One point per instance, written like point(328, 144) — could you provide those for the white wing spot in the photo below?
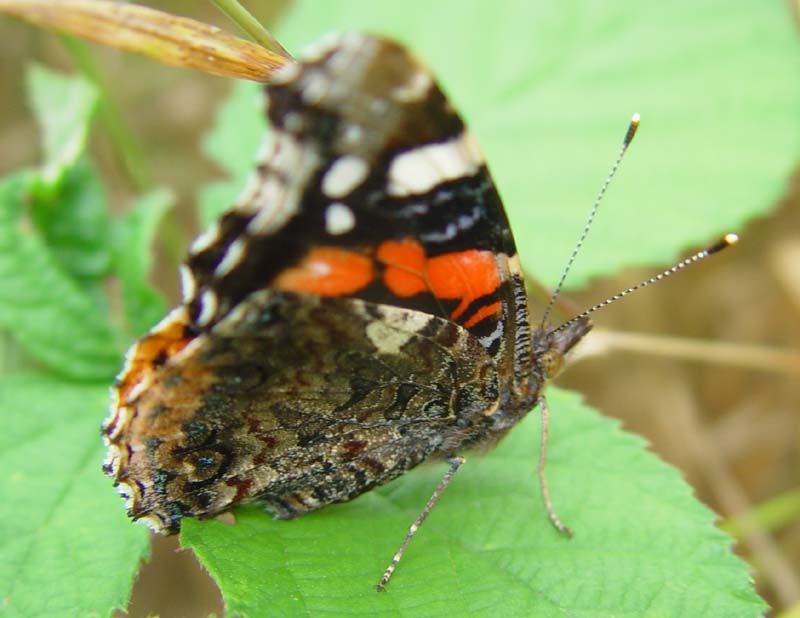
point(395, 328)
point(233, 256)
point(339, 219)
point(385, 338)
point(420, 170)
point(352, 134)
point(188, 283)
point(414, 89)
point(206, 239)
point(489, 339)
point(208, 307)
point(344, 175)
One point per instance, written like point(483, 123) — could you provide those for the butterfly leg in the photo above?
point(455, 464)
point(551, 512)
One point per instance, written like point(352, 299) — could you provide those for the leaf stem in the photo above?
point(771, 515)
point(250, 25)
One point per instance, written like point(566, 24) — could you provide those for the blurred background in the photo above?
point(732, 426)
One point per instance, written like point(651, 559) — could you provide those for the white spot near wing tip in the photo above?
point(339, 219)
point(415, 89)
point(421, 169)
point(344, 175)
point(233, 256)
point(208, 307)
point(206, 239)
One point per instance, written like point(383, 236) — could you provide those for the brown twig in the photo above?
point(715, 352)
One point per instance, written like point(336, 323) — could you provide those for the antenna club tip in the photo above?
point(632, 127)
point(723, 243)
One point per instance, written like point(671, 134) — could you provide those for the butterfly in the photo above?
point(360, 310)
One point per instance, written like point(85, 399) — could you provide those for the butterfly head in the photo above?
point(550, 345)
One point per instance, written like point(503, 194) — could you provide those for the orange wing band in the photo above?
point(328, 271)
point(461, 275)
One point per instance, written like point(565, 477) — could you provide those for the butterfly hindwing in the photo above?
point(294, 401)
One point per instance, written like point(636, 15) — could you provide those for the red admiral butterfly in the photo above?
point(360, 310)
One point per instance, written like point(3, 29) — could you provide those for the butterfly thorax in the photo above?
point(548, 349)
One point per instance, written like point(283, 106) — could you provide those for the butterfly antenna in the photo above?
point(723, 243)
point(634, 124)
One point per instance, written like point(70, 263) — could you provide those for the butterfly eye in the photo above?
point(551, 363)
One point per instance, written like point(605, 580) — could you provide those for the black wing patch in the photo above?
point(364, 148)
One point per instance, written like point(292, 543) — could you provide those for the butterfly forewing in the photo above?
point(369, 187)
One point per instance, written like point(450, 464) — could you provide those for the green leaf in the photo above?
point(40, 305)
point(232, 144)
point(73, 220)
point(133, 236)
point(549, 87)
point(66, 548)
point(64, 106)
point(238, 130)
point(643, 545)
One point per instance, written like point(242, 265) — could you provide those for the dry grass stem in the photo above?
point(167, 38)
